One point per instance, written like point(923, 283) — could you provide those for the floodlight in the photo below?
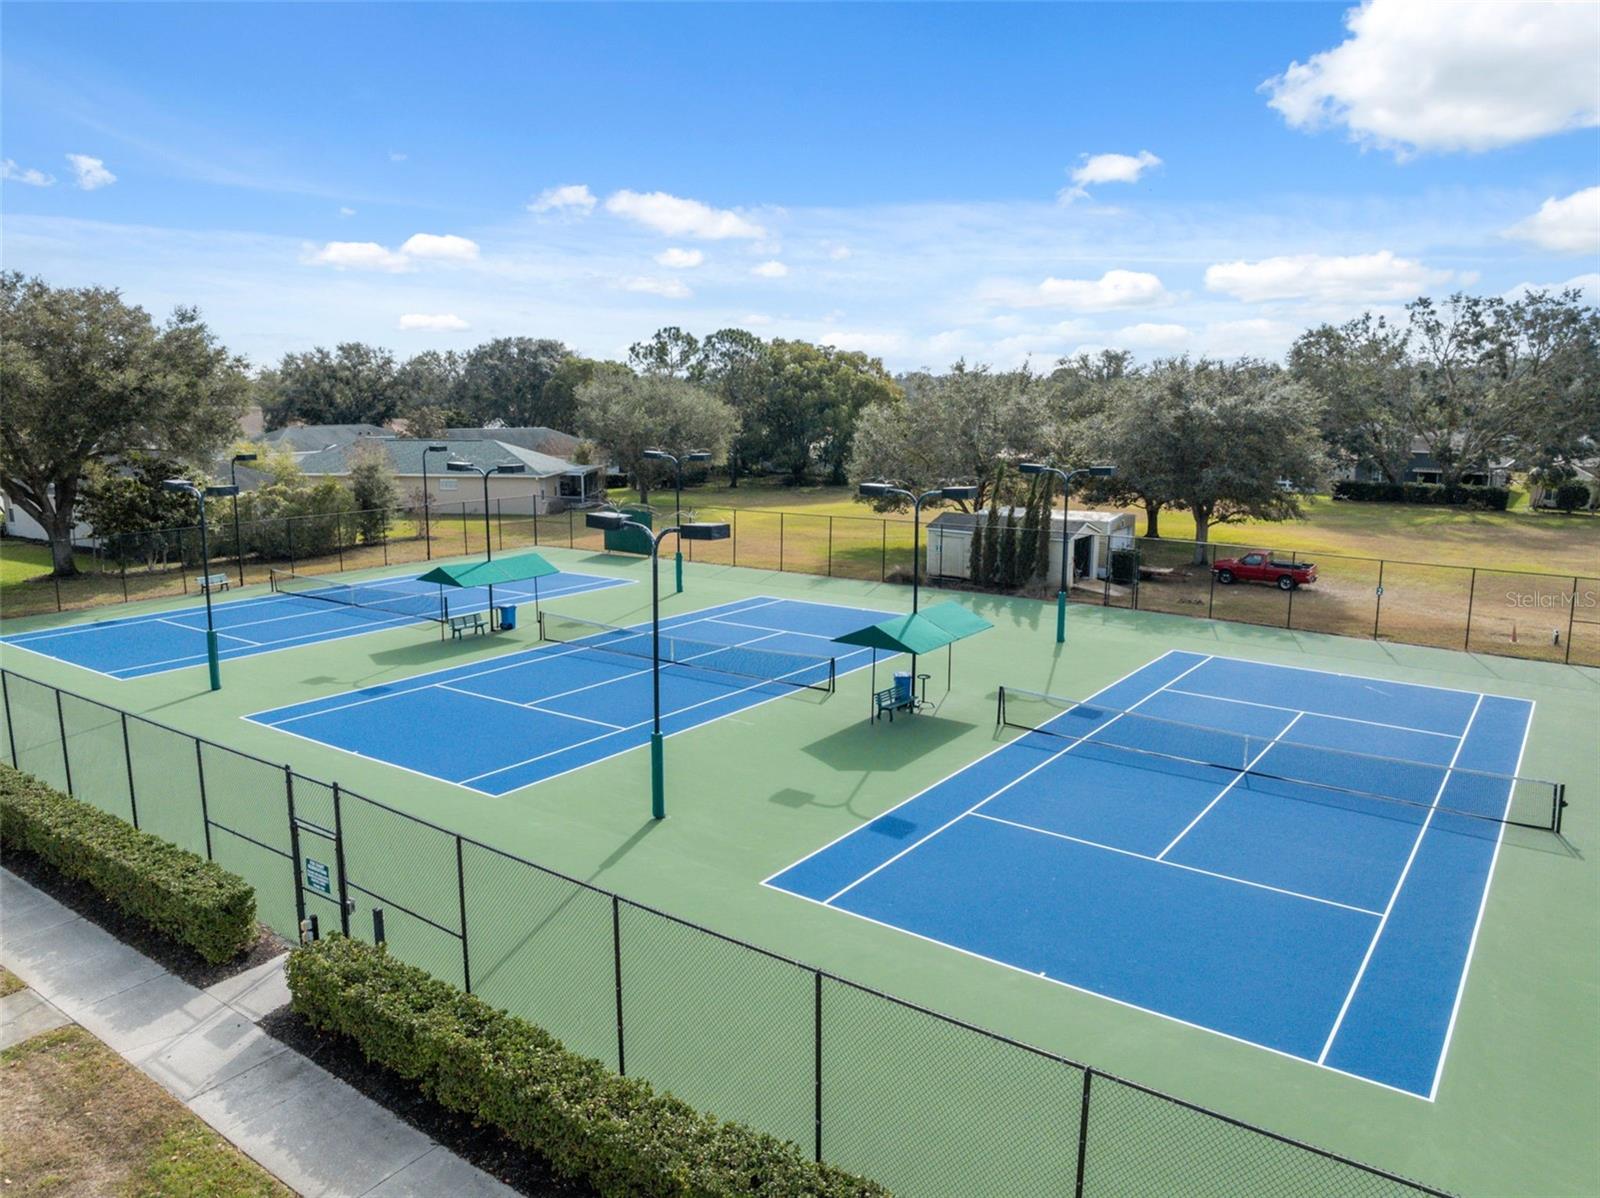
point(245, 457)
point(1102, 471)
point(437, 449)
point(703, 531)
point(221, 492)
point(179, 484)
point(459, 466)
point(697, 455)
point(510, 468)
point(658, 455)
point(1031, 468)
point(607, 520)
point(964, 494)
point(873, 490)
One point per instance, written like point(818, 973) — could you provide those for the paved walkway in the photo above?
point(300, 1122)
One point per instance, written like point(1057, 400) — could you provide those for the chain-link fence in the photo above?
point(926, 1104)
point(1514, 613)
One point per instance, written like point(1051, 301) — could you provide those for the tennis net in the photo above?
point(746, 661)
point(373, 596)
point(1275, 764)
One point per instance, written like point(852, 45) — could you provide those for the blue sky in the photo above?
point(924, 182)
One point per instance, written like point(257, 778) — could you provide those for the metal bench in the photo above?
point(474, 623)
point(891, 701)
point(212, 582)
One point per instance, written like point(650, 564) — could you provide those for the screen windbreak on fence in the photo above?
point(1278, 765)
point(925, 1104)
point(746, 661)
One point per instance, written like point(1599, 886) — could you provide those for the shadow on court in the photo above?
point(878, 747)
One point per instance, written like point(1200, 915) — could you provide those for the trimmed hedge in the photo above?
point(1491, 499)
point(616, 1133)
point(183, 896)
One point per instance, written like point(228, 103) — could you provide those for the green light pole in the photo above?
point(461, 467)
point(677, 460)
point(233, 477)
point(883, 490)
point(427, 518)
point(1066, 478)
point(201, 494)
point(685, 532)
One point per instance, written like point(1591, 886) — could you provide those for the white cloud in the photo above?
point(667, 288)
point(32, 176)
point(680, 259)
point(90, 172)
point(1589, 284)
point(1108, 168)
point(839, 253)
point(572, 198)
point(1354, 278)
point(1429, 76)
point(1114, 289)
point(347, 211)
point(755, 319)
point(679, 217)
point(446, 247)
point(398, 156)
point(772, 269)
point(439, 322)
point(1153, 336)
point(876, 344)
point(356, 255)
point(1566, 226)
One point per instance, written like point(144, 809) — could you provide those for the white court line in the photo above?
point(1194, 869)
point(243, 640)
point(1383, 922)
point(1321, 715)
point(817, 636)
point(537, 655)
point(1232, 782)
point(1483, 904)
point(567, 715)
point(997, 793)
point(456, 690)
point(39, 634)
point(1368, 678)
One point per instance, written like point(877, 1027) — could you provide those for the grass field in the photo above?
point(76, 1120)
point(750, 794)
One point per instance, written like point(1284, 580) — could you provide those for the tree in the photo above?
point(1007, 564)
point(1216, 439)
point(736, 365)
point(671, 353)
point(354, 384)
point(951, 428)
point(1041, 559)
point(429, 385)
point(1028, 534)
point(127, 507)
point(88, 378)
point(1361, 373)
point(372, 485)
point(991, 535)
point(505, 381)
point(812, 398)
point(627, 414)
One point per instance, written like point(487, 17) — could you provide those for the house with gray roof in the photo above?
point(545, 485)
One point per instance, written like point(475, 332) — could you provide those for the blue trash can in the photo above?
point(508, 618)
point(902, 686)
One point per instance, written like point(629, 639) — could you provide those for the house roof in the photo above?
point(405, 457)
point(308, 438)
point(537, 438)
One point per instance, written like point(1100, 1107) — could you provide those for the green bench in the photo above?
point(891, 701)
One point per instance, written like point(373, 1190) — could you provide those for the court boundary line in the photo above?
point(473, 790)
point(767, 881)
point(1483, 903)
point(1232, 782)
point(1194, 869)
point(1400, 884)
point(1427, 686)
point(1321, 715)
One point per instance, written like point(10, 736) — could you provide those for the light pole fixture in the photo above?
point(677, 460)
point(1066, 477)
point(461, 467)
point(233, 477)
point(882, 490)
point(692, 531)
point(201, 494)
point(427, 523)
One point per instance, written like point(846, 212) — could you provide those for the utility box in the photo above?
point(631, 540)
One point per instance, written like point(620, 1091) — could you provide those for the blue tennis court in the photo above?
point(498, 726)
point(174, 640)
point(1318, 895)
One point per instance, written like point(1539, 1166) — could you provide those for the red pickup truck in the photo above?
point(1259, 566)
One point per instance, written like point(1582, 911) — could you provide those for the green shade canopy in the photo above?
point(952, 617)
point(519, 567)
point(901, 634)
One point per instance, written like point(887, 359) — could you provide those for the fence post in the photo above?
point(1083, 1131)
point(1572, 616)
point(780, 542)
point(288, 529)
point(1377, 604)
point(205, 810)
point(736, 536)
point(616, 968)
point(461, 898)
point(124, 566)
point(338, 857)
point(1472, 594)
point(383, 535)
point(466, 545)
point(11, 729)
point(294, 848)
point(66, 758)
point(1211, 600)
point(1288, 619)
point(338, 538)
point(817, 1064)
point(830, 546)
point(127, 760)
point(55, 582)
point(883, 551)
point(499, 524)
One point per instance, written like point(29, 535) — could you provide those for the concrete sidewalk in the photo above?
point(315, 1133)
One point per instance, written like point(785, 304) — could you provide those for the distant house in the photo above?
point(1585, 472)
point(537, 438)
point(547, 484)
point(303, 439)
point(1093, 535)
point(1423, 467)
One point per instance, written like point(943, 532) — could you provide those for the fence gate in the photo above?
point(320, 890)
